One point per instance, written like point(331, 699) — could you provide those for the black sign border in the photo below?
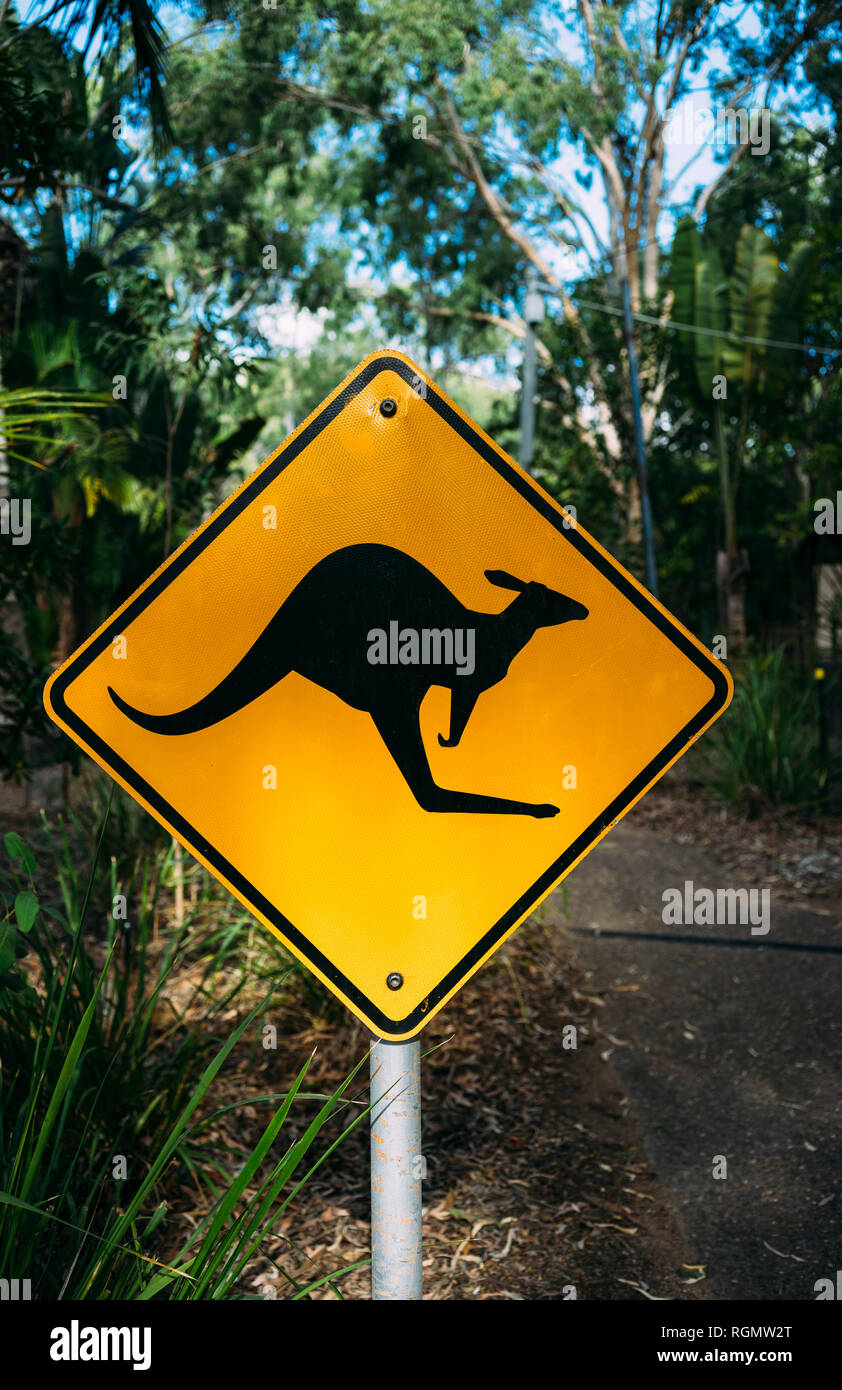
point(388, 1027)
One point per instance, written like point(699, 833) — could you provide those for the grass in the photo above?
point(765, 751)
point(104, 1112)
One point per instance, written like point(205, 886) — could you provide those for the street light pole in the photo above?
point(533, 313)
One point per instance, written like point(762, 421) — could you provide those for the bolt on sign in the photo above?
point(389, 694)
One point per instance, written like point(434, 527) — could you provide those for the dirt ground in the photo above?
point(537, 1187)
point(540, 1180)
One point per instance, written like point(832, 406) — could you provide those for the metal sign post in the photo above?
point(396, 1164)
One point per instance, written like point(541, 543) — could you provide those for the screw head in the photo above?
point(394, 980)
point(388, 407)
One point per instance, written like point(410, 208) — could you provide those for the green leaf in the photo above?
point(8, 941)
point(790, 302)
point(155, 1220)
point(711, 289)
point(8, 1199)
point(26, 909)
point(16, 849)
point(328, 1278)
point(686, 253)
point(752, 291)
point(71, 1062)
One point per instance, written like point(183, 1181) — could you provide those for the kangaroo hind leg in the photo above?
point(402, 736)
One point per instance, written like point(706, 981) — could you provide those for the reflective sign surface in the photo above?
point(389, 694)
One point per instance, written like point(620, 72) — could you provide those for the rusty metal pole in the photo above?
point(396, 1169)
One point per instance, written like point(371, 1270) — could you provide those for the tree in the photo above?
point(740, 325)
point(467, 109)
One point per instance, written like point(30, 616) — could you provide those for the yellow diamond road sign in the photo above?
point(389, 694)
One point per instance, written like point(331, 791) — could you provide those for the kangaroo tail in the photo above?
point(253, 676)
point(186, 721)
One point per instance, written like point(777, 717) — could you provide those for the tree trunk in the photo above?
point(731, 562)
point(633, 535)
point(731, 569)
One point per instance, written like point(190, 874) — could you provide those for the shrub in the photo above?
point(766, 749)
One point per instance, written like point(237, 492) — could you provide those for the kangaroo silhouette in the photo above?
point(322, 629)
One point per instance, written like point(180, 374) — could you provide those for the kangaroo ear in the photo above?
point(504, 580)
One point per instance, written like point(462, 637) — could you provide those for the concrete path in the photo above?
point(733, 1047)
